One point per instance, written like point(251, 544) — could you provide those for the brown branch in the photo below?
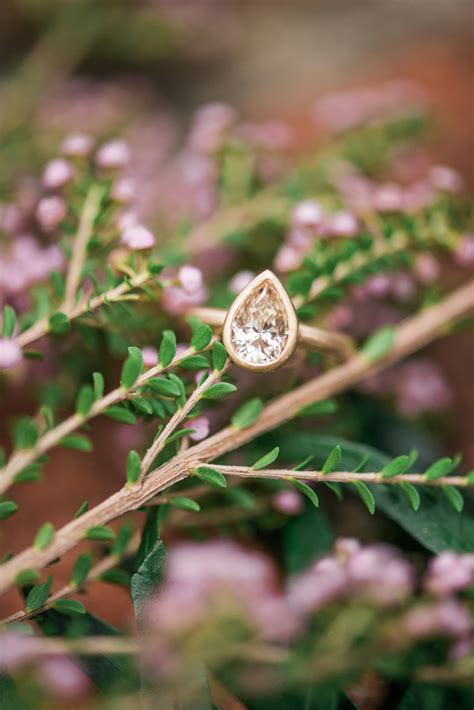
point(412, 334)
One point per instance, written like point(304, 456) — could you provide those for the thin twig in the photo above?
point(417, 479)
point(81, 240)
point(412, 334)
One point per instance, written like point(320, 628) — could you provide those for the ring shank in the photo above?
point(326, 341)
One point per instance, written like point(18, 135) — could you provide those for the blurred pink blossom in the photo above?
point(57, 173)
point(10, 354)
point(150, 356)
point(137, 237)
point(240, 280)
point(77, 145)
point(50, 212)
point(288, 501)
point(449, 573)
point(420, 388)
point(63, 677)
point(307, 213)
point(427, 268)
point(445, 179)
point(201, 426)
point(112, 155)
point(442, 618)
point(190, 278)
point(464, 253)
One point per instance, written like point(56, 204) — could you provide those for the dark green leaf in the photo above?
point(29, 474)
point(306, 490)
point(180, 434)
point(132, 368)
point(81, 569)
point(27, 577)
point(7, 508)
point(439, 469)
point(99, 385)
point(85, 400)
point(146, 581)
point(164, 387)
point(454, 496)
point(195, 362)
point(133, 467)
point(59, 324)
point(366, 495)
point(412, 494)
point(220, 389)
point(219, 355)
point(332, 460)
point(267, 460)
point(210, 476)
point(44, 536)
point(379, 344)
point(101, 533)
point(395, 467)
point(116, 576)
point(120, 414)
point(325, 406)
point(167, 348)
point(201, 337)
point(8, 322)
point(247, 414)
point(185, 504)
point(142, 405)
point(25, 433)
point(122, 539)
point(83, 508)
point(70, 607)
point(37, 596)
point(79, 442)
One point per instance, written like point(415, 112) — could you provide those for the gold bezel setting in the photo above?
point(292, 320)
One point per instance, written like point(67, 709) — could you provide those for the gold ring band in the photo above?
point(261, 330)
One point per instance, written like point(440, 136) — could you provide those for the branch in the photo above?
point(19, 460)
point(418, 479)
point(412, 334)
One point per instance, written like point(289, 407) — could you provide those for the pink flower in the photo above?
point(420, 388)
point(378, 285)
point(211, 123)
point(63, 677)
point(137, 237)
point(340, 317)
point(446, 179)
point(123, 190)
point(201, 426)
point(114, 154)
point(10, 354)
point(150, 356)
point(345, 547)
point(403, 287)
point(445, 618)
point(240, 280)
point(449, 573)
point(269, 135)
point(57, 173)
point(379, 572)
point(464, 254)
point(342, 224)
point(190, 278)
point(324, 582)
point(307, 213)
point(287, 259)
point(77, 145)
point(427, 268)
point(15, 650)
point(288, 502)
point(176, 301)
point(50, 212)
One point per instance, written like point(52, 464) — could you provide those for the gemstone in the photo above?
point(259, 331)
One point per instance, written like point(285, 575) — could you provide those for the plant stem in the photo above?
point(410, 335)
point(417, 479)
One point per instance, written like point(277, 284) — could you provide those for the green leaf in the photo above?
point(185, 504)
point(99, 385)
point(29, 474)
point(219, 355)
point(332, 460)
point(120, 414)
point(164, 387)
point(78, 442)
point(325, 406)
point(454, 496)
point(116, 576)
point(366, 495)
point(439, 469)
point(48, 416)
point(59, 324)
point(395, 467)
point(85, 400)
point(242, 497)
point(70, 607)
point(7, 508)
point(27, 577)
point(25, 433)
point(210, 476)
point(37, 596)
point(44, 536)
point(379, 344)
point(247, 414)
point(267, 459)
point(220, 389)
point(81, 569)
point(179, 434)
point(145, 582)
point(132, 368)
point(133, 467)
point(201, 337)
point(306, 490)
point(412, 494)
point(83, 508)
point(8, 322)
point(101, 533)
point(195, 362)
point(142, 405)
point(122, 539)
point(167, 348)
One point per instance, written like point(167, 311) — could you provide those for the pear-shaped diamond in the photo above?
point(260, 329)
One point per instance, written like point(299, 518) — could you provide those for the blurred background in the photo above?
point(140, 68)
